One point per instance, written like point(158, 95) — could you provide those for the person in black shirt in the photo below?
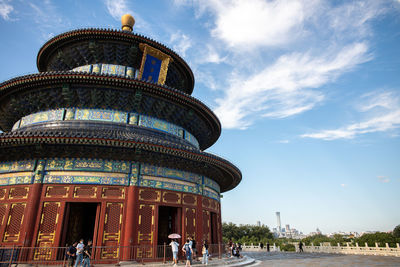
point(71, 254)
point(194, 248)
point(87, 254)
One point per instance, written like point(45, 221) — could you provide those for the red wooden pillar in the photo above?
point(130, 236)
point(35, 192)
point(199, 225)
point(33, 205)
point(219, 224)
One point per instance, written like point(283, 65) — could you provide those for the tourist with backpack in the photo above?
point(187, 248)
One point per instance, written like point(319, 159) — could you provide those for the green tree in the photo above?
point(316, 239)
point(245, 233)
point(396, 231)
point(378, 237)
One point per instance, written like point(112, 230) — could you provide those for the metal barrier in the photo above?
point(109, 254)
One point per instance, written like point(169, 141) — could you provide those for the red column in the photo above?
point(130, 236)
point(199, 222)
point(35, 191)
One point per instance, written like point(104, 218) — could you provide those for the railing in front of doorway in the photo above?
point(58, 255)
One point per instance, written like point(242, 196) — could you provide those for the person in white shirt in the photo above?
point(79, 252)
point(175, 248)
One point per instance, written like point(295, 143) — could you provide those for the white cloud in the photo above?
point(206, 78)
point(284, 141)
point(212, 56)
point(343, 185)
point(310, 42)
point(285, 88)
point(45, 14)
point(247, 24)
point(117, 8)
point(383, 179)
point(351, 18)
point(5, 9)
point(180, 43)
point(383, 114)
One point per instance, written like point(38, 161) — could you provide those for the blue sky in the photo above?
point(308, 94)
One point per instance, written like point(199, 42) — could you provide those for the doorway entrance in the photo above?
point(168, 223)
point(79, 222)
point(213, 228)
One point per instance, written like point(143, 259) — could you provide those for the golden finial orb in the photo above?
point(127, 22)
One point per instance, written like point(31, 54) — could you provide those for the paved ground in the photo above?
point(282, 259)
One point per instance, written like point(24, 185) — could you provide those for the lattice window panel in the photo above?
point(47, 229)
point(113, 192)
point(169, 197)
point(146, 223)
point(112, 230)
point(18, 192)
point(3, 193)
point(189, 199)
point(49, 219)
point(213, 204)
point(190, 222)
point(146, 229)
point(149, 195)
point(57, 191)
point(14, 222)
point(113, 217)
point(206, 226)
point(85, 191)
point(206, 203)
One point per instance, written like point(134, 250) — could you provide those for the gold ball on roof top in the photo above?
point(127, 22)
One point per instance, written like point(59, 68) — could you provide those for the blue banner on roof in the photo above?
point(151, 69)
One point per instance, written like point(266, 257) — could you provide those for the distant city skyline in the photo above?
point(308, 94)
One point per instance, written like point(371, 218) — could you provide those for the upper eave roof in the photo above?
point(75, 36)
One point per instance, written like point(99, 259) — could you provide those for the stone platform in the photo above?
point(287, 259)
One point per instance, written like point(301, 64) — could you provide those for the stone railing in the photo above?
point(253, 248)
point(358, 250)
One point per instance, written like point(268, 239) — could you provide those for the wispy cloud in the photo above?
point(5, 9)
point(343, 185)
point(285, 88)
point(49, 20)
point(180, 43)
point(212, 55)
point(284, 141)
point(117, 8)
point(383, 179)
point(310, 44)
point(383, 114)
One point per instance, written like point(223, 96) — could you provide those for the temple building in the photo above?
point(106, 143)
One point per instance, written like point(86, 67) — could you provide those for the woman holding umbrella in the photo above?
point(175, 248)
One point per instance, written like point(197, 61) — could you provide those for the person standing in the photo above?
point(300, 247)
point(87, 254)
point(79, 252)
point(175, 248)
point(267, 246)
point(71, 254)
point(261, 245)
point(204, 251)
point(194, 248)
point(187, 248)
